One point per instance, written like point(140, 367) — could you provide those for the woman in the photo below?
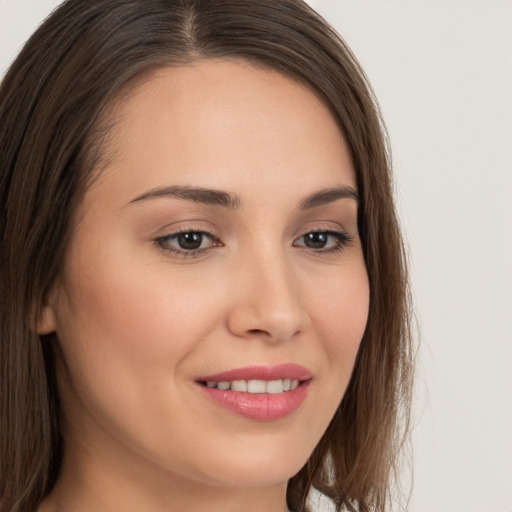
point(203, 283)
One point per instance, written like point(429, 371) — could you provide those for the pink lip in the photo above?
point(260, 406)
point(261, 372)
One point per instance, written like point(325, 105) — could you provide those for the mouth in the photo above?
point(259, 392)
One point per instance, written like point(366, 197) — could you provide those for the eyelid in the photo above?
point(334, 227)
point(343, 240)
point(184, 226)
point(160, 242)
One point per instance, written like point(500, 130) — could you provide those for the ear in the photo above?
point(47, 319)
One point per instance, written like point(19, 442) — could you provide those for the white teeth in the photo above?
point(275, 386)
point(255, 386)
point(239, 385)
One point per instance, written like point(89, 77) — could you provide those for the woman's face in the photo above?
point(221, 237)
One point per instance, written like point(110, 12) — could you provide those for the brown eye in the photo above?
point(324, 241)
point(189, 241)
point(316, 240)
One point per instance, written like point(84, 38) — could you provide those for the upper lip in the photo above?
point(261, 372)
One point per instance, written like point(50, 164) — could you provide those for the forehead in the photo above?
point(224, 124)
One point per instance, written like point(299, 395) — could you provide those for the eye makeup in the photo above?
point(193, 243)
point(188, 243)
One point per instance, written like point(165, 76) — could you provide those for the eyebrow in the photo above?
point(196, 194)
point(221, 198)
point(328, 195)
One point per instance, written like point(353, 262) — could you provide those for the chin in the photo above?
point(257, 468)
point(243, 476)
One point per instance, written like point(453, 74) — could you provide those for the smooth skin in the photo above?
point(141, 313)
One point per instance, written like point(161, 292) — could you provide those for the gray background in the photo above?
point(443, 73)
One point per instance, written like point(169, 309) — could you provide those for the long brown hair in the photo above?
point(53, 135)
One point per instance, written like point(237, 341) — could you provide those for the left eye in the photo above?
point(323, 240)
point(187, 241)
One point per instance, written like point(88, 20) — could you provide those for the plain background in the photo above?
point(442, 71)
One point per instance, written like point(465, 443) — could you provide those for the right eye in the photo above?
point(188, 243)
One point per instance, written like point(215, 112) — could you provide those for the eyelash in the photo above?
point(162, 243)
point(342, 240)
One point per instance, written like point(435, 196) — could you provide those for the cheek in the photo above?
point(128, 332)
point(342, 310)
point(125, 330)
point(140, 313)
point(341, 314)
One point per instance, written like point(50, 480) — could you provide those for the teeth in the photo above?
point(239, 385)
point(256, 386)
point(275, 386)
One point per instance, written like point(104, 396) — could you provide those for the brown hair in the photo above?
point(51, 104)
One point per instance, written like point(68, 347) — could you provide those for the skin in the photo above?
point(138, 324)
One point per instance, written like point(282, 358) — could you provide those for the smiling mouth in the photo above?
point(259, 392)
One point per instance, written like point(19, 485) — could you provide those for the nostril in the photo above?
point(258, 332)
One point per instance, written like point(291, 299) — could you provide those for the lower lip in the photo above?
point(260, 406)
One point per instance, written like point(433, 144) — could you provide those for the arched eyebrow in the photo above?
point(196, 194)
point(328, 195)
point(232, 201)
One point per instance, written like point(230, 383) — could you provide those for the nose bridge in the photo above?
point(269, 301)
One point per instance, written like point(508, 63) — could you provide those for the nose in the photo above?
point(268, 303)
